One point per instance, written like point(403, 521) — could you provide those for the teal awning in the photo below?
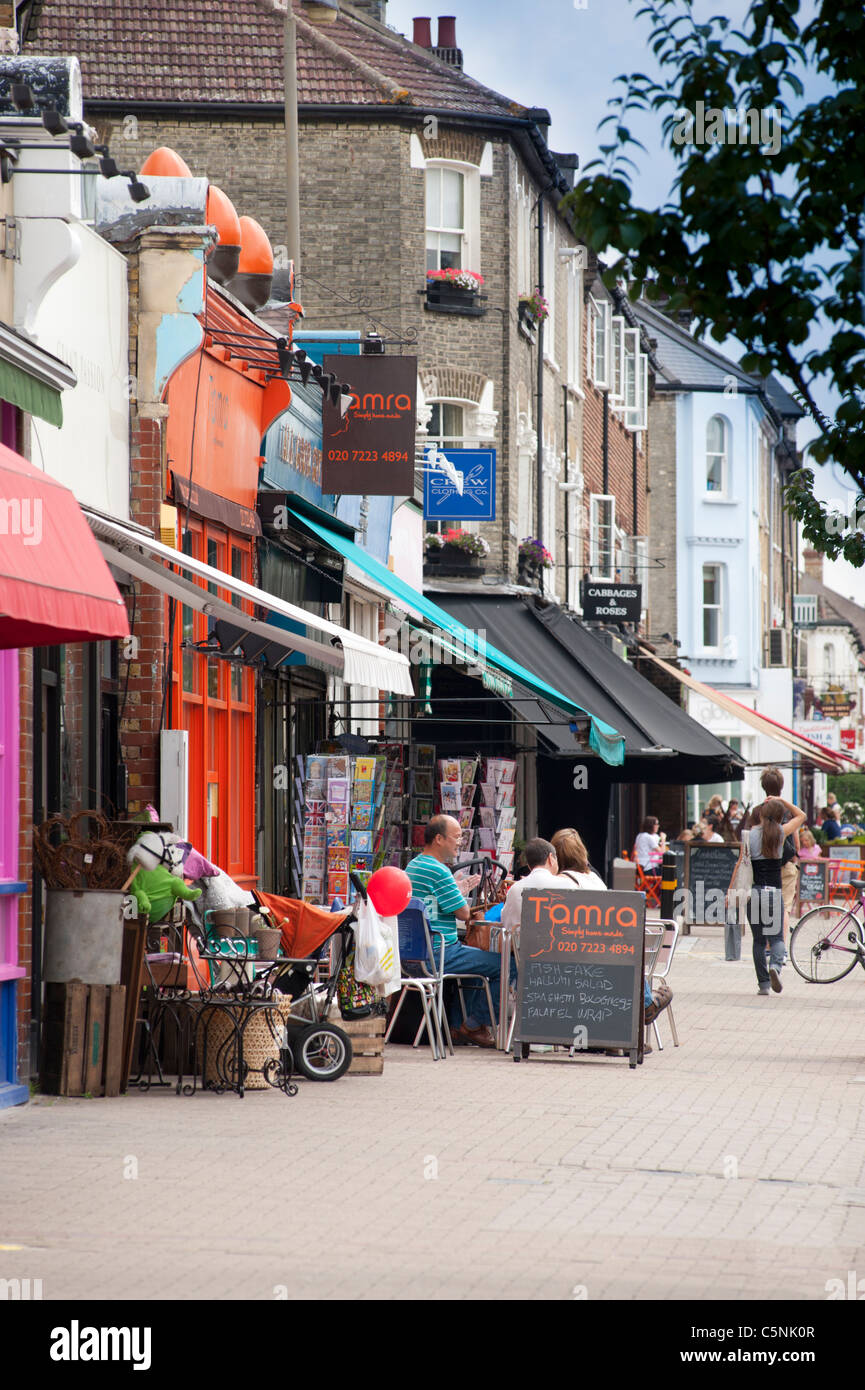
point(607, 742)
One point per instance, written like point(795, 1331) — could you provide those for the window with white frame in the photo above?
point(712, 607)
point(631, 377)
point(447, 429)
point(643, 385)
point(598, 341)
point(452, 216)
point(602, 536)
point(617, 361)
point(525, 280)
point(717, 455)
point(828, 661)
point(575, 314)
point(550, 273)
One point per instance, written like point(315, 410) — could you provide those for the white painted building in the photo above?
point(734, 442)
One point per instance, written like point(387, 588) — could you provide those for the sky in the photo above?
point(565, 56)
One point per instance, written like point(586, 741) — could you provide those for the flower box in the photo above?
point(455, 292)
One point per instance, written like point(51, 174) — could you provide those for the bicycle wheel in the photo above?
point(820, 948)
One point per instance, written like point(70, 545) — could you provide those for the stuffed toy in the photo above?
point(159, 882)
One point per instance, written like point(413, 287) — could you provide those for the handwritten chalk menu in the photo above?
point(710, 868)
point(812, 882)
point(581, 970)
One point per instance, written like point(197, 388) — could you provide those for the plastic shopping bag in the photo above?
point(393, 980)
point(373, 952)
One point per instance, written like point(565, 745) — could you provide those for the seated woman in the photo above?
point(573, 860)
point(649, 845)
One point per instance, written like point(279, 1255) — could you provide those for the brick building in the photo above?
point(395, 138)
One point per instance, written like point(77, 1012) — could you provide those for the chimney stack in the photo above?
point(813, 562)
point(374, 8)
point(447, 31)
point(423, 32)
point(446, 48)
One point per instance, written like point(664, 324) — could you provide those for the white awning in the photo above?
point(357, 660)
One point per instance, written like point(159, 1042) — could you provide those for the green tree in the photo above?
point(761, 239)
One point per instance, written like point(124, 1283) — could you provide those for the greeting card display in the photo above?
point(449, 796)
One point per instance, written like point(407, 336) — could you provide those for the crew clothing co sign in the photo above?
point(370, 450)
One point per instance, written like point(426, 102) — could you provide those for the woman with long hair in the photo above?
point(766, 904)
point(573, 860)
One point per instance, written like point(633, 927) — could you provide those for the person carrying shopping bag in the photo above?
point(776, 820)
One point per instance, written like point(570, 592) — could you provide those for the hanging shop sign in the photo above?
point(611, 603)
point(837, 703)
point(369, 451)
point(848, 739)
point(459, 484)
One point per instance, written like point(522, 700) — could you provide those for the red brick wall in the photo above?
point(139, 732)
point(621, 463)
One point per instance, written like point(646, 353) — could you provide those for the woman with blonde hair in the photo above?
point(573, 860)
point(777, 819)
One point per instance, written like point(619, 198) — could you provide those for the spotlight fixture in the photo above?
point(373, 343)
point(305, 369)
point(285, 357)
point(138, 192)
point(317, 371)
point(335, 392)
point(108, 167)
point(300, 355)
point(22, 96)
point(79, 143)
point(53, 121)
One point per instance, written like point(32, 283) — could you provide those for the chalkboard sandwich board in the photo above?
point(710, 868)
point(812, 883)
point(581, 971)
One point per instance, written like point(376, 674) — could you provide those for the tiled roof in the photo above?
point(232, 51)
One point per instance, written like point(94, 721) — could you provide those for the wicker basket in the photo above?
point(259, 1044)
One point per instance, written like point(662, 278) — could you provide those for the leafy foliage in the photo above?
point(762, 241)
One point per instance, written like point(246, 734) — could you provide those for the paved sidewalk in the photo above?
point(730, 1167)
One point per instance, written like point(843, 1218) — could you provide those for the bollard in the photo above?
point(669, 883)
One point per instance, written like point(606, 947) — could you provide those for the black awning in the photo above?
point(569, 656)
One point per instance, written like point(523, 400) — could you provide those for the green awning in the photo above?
point(20, 388)
point(607, 742)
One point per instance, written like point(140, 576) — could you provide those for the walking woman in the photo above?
point(776, 820)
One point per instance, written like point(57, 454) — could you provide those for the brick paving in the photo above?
point(730, 1167)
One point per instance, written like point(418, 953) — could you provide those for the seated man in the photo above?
point(433, 882)
point(543, 870)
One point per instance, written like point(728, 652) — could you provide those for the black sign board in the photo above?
point(581, 971)
point(611, 603)
point(370, 450)
point(812, 882)
point(710, 868)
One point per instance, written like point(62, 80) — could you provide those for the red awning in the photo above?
point(54, 584)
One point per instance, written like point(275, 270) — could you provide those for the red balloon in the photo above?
point(389, 890)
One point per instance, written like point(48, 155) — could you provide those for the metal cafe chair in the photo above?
point(661, 967)
point(840, 873)
point(419, 972)
point(650, 884)
point(654, 942)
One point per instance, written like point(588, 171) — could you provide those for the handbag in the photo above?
point(478, 933)
point(477, 930)
point(743, 882)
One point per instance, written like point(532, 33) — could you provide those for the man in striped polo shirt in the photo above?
point(433, 881)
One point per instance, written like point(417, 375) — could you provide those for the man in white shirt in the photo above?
point(543, 867)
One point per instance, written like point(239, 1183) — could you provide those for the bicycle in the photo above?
point(827, 942)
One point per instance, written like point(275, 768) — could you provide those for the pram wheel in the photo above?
point(322, 1052)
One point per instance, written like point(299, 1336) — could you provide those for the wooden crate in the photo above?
point(367, 1042)
point(83, 1039)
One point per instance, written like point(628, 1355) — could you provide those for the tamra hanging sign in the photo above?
point(370, 449)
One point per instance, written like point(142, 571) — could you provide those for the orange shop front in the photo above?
point(218, 412)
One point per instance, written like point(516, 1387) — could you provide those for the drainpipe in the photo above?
point(540, 407)
point(540, 411)
point(567, 503)
point(635, 491)
point(606, 443)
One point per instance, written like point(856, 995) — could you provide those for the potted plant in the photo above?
point(456, 552)
point(532, 557)
point(533, 309)
point(455, 290)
